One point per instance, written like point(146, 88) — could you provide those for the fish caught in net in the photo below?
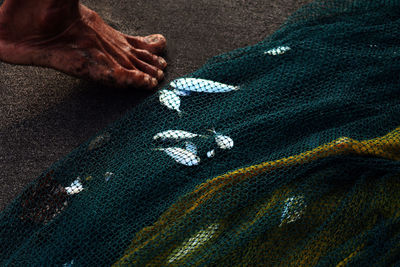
point(283, 153)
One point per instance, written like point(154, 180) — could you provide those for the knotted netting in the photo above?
point(282, 153)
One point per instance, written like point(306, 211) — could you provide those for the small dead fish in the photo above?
point(194, 243)
point(223, 141)
point(182, 92)
point(201, 86)
point(99, 141)
point(278, 51)
point(191, 147)
point(293, 210)
point(75, 188)
point(211, 153)
point(181, 155)
point(176, 134)
point(108, 176)
point(170, 100)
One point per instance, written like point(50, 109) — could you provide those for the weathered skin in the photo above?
point(69, 37)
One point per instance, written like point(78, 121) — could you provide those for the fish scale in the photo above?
point(181, 155)
point(176, 134)
point(170, 100)
point(202, 86)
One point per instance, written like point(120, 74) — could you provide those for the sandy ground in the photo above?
point(45, 114)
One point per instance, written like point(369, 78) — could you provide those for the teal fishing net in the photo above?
point(282, 153)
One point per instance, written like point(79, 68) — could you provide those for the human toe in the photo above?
point(154, 43)
point(149, 58)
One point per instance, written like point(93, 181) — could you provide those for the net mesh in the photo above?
point(282, 153)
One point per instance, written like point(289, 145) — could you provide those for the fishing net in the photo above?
point(282, 153)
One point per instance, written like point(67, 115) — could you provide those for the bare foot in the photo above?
point(71, 38)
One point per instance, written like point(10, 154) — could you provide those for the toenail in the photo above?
point(154, 82)
point(152, 39)
point(162, 62)
point(160, 74)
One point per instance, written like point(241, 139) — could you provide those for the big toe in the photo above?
point(154, 43)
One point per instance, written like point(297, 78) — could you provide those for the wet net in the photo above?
point(282, 153)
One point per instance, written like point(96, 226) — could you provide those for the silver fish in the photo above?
point(193, 243)
point(294, 208)
point(191, 147)
point(211, 153)
point(175, 134)
point(278, 51)
point(75, 188)
point(181, 155)
point(202, 86)
point(170, 100)
point(223, 141)
point(99, 141)
point(108, 176)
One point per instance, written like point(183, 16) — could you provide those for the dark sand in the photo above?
point(45, 114)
